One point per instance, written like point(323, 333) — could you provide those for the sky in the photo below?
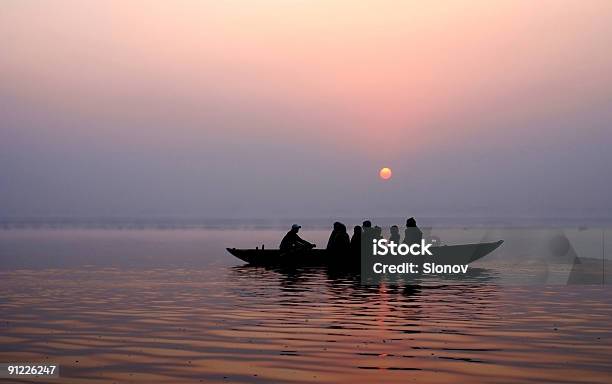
point(269, 108)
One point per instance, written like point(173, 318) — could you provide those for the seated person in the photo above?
point(412, 234)
point(339, 241)
point(356, 241)
point(367, 232)
point(377, 232)
point(395, 235)
point(292, 241)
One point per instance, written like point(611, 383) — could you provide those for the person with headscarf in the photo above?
point(339, 241)
point(412, 234)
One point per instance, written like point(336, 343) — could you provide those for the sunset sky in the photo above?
point(290, 108)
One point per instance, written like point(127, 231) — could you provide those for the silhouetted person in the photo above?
point(356, 241)
point(332, 236)
point(412, 234)
point(378, 232)
point(395, 235)
point(292, 241)
point(367, 233)
point(338, 240)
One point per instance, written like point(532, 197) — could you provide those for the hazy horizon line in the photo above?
point(192, 222)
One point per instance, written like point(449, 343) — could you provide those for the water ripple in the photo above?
point(248, 325)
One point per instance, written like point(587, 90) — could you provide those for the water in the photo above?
point(173, 306)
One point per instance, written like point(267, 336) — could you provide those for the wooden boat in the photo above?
point(445, 254)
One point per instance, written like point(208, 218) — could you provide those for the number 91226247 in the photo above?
point(28, 370)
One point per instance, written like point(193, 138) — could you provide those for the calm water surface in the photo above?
point(172, 306)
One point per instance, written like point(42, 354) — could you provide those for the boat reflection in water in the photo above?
point(336, 329)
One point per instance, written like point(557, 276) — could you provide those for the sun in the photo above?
point(385, 173)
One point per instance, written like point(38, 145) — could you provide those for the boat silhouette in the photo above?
point(455, 254)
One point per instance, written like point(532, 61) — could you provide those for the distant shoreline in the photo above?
point(174, 223)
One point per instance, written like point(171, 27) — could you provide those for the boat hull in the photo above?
point(446, 254)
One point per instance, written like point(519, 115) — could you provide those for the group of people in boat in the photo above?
point(340, 242)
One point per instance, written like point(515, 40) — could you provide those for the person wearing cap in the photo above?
point(292, 241)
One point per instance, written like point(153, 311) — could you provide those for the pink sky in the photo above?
point(417, 86)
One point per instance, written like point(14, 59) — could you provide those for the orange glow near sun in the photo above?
point(385, 173)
